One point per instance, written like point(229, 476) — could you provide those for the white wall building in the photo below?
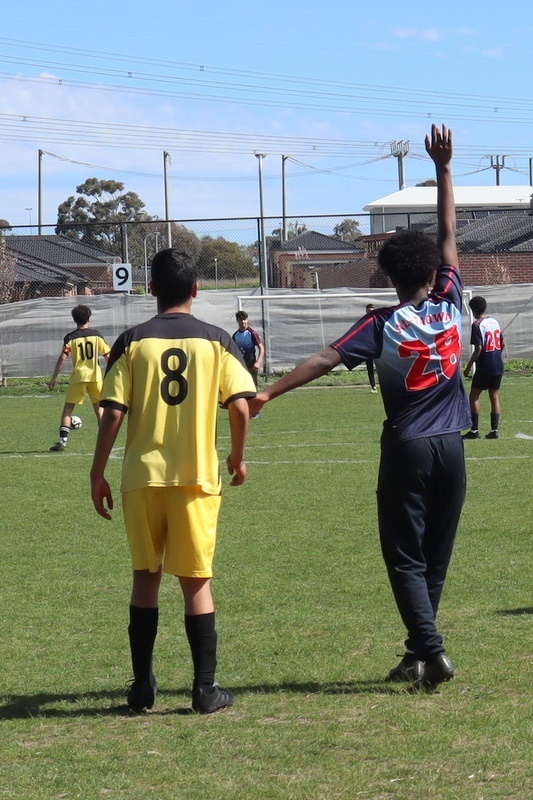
point(395, 210)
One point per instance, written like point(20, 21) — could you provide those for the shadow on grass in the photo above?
point(23, 452)
point(112, 703)
point(514, 612)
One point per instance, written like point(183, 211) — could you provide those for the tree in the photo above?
point(348, 230)
point(294, 229)
point(430, 182)
point(4, 226)
point(94, 216)
point(232, 260)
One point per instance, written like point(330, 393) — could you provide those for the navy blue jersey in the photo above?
point(247, 341)
point(486, 333)
point(417, 350)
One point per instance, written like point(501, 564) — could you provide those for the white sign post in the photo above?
point(122, 278)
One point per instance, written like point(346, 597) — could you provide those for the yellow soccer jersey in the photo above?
point(170, 374)
point(85, 345)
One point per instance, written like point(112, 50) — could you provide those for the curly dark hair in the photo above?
point(81, 314)
point(478, 305)
point(173, 276)
point(409, 259)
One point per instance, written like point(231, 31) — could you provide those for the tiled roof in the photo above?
point(58, 250)
point(494, 233)
point(34, 270)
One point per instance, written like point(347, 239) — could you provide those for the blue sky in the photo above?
point(329, 85)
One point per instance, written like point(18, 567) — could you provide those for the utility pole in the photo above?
point(498, 166)
point(399, 150)
point(531, 171)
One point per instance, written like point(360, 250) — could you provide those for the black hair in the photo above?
point(81, 315)
point(478, 305)
point(241, 315)
point(173, 276)
point(409, 259)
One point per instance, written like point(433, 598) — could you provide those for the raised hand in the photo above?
point(439, 144)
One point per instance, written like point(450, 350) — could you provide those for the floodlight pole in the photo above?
point(40, 193)
point(166, 162)
point(283, 200)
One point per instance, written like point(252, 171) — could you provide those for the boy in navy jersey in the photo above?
point(416, 346)
point(249, 343)
point(488, 343)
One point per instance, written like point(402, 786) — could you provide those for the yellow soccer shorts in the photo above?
point(76, 392)
point(173, 526)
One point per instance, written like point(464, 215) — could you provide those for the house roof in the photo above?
point(497, 232)
point(32, 269)
point(423, 198)
point(318, 242)
point(58, 250)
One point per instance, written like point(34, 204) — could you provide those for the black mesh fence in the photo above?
point(318, 273)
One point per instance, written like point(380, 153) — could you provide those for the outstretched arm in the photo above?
point(315, 366)
point(439, 148)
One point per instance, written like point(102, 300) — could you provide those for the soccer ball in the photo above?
point(75, 423)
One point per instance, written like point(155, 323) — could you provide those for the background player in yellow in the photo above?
point(84, 345)
point(170, 374)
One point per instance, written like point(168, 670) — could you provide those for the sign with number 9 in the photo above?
point(122, 277)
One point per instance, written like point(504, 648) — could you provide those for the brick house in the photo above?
point(52, 266)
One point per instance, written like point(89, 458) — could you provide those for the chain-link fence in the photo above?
point(304, 253)
point(305, 266)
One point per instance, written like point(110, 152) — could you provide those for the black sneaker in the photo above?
point(471, 435)
point(437, 669)
point(60, 445)
point(141, 695)
point(492, 435)
point(206, 701)
point(410, 669)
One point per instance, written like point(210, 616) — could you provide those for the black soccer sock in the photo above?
point(475, 421)
point(494, 421)
point(142, 632)
point(63, 432)
point(202, 636)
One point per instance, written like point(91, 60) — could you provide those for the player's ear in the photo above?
point(194, 290)
point(152, 290)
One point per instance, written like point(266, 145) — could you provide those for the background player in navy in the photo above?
point(170, 374)
point(85, 345)
point(421, 483)
point(249, 343)
point(488, 343)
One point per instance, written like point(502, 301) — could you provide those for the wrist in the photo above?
point(234, 463)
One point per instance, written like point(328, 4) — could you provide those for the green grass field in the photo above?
point(307, 625)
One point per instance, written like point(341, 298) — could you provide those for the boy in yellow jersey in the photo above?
point(84, 345)
point(170, 374)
